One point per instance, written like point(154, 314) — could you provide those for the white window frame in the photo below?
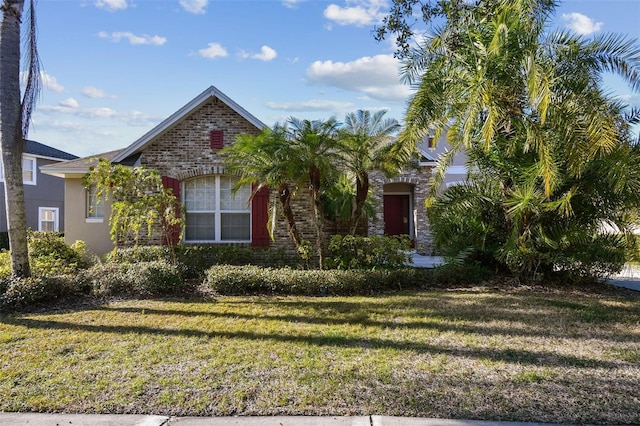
point(56, 218)
point(34, 170)
point(217, 212)
point(89, 218)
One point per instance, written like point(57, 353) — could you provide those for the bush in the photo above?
point(241, 280)
point(193, 260)
point(143, 279)
point(20, 292)
point(139, 254)
point(356, 252)
point(50, 255)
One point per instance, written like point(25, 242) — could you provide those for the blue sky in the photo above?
point(116, 68)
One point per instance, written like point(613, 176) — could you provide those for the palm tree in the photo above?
point(314, 160)
point(528, 108)
point(366, 140)
point(263, 160)
point(15, 116)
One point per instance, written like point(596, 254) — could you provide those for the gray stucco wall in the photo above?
point(48, 192)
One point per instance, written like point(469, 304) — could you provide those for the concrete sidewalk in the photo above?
point(43, 419)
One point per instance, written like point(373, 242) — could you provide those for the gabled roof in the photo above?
point(77, 168)
point(42, 150)
point(211, 93)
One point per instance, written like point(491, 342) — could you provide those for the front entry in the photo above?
point(396, 214)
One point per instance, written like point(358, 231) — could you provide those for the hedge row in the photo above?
point(239, 280)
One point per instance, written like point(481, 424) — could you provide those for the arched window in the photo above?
point(214, 212)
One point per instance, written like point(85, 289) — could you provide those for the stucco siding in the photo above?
point(95, 234)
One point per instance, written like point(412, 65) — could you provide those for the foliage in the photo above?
point(356, 252)
point(553, 150)
point(329, 160)
point(230, 280)
point(16, 293)
point(193, 260)
point(142, 279)
point(49, 255)
point(139, 202)
point(365, 145)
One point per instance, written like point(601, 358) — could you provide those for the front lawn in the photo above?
point(503, 354)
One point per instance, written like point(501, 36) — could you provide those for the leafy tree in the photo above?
point(365, 145)
point(139, 202)
point(528, 109)
point(314, 160)
point(263, 160)
point(15, 117)
point(297, 154)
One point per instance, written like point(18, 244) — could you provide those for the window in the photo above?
point(94, 209)
point(28, 170)
point(48, 219)
point(214, 212)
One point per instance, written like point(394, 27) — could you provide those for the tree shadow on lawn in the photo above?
point(526, 316)
point(521, 356)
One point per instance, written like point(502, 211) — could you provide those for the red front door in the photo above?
point(396, 214)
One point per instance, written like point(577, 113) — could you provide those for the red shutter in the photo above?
point(259, 218)
point(216, 139)
point(174, 185)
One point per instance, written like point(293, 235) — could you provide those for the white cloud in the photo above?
point(311, 105)
point(112, 5)
point(133, 39)
point(356, 12)
point(377, 77)
point(214, 50)
point(581, 24)
point(69, 103)
point(266, 54)
point(49, 82)
point(291, 4)
point(95, 93)
point(131, 118)
point(197, 7)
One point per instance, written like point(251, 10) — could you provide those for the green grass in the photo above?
point(523, 355)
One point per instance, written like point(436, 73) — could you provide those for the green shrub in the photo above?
point(239, 280)
point(139, 254)
point(5, 264)
point(193, 260)
point(21, 292)
point(356, 252)
point(141, 279)
point(50, 255)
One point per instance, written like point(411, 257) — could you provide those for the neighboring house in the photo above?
point(43, 194)
point(185, 150)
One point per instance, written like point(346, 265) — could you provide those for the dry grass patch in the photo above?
point(481, 354)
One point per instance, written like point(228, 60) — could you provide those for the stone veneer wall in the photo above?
point(419, 180)
point(184, 152)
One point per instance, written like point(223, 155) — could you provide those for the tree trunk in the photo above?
point(362, 190)
point(11, 135)
point(284, 195)
point(314, 194)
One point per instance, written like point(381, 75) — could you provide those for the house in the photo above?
point(43, 194)
point(185, 150)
